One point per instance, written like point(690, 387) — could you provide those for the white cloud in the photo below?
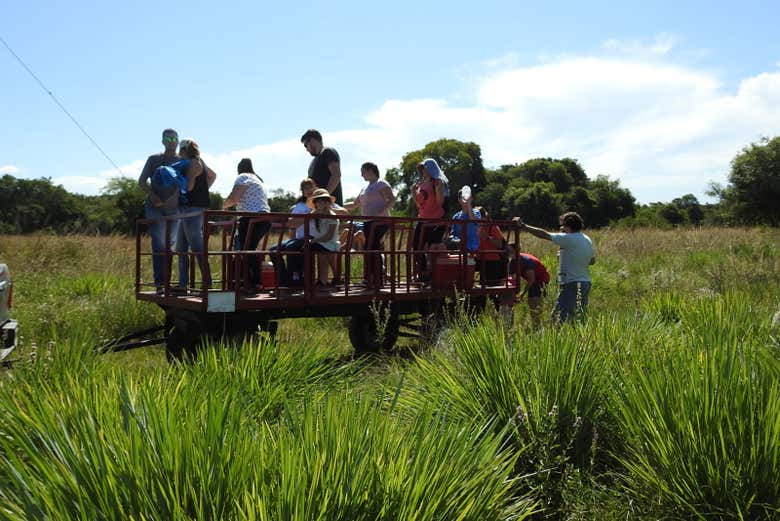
point(662, 46)
point(9, 170)
point(80, 183)
point(663, 128)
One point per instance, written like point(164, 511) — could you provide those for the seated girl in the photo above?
point(325, 233)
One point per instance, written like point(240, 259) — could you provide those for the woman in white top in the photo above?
point(376, 199)
point(248, 195)
point(325, 232)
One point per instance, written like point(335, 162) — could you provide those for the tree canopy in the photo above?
point(754, 184)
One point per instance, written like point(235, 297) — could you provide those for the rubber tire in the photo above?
point(363, 334)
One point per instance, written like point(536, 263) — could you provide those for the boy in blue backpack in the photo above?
point(159, 206)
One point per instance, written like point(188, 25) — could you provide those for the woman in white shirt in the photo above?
point(325, 232)
point(248, 195)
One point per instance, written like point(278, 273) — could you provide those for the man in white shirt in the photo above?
point(574, 257)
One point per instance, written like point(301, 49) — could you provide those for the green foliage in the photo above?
point(240, 435)
point(28, 205)
point(548, 389)
point(542, 189)
point(754, 184)
point(685, 210)
point(128, 199)
point(281, 200)
point(701, 415)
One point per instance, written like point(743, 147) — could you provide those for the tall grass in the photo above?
point(250, 434)
point(663, 404)
point(545, 392)
point(702, 417)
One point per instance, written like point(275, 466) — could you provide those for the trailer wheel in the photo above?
point(183, 336)
point(366, 337)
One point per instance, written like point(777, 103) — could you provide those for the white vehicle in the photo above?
point(8, 328)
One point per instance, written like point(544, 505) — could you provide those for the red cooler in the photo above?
point(447, 272)
point(268, 276)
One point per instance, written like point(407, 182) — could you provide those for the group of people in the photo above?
point(321, 196)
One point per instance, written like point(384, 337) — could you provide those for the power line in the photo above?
point(60, 105)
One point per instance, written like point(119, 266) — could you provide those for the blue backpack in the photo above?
point(170, 180)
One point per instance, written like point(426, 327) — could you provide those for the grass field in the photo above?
point(664, 404)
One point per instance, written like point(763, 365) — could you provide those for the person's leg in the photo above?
point(277, 259)
point(294, 261)
point(434, 244)
point(534, 297)
point(418, 244)
point(374, 267)
point(239, 240)
point(567, 302)
point(182, 248)
point(583, 289)
point(198, 246)
point(259, 230)
point(157, 234)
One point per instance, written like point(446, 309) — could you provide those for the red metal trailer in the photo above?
point(231, 306)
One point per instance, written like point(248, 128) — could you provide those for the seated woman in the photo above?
point(325, 232)
point(291, 272)
point(249, 195)
point(466, 213)
point(491, 263)
point(376, 199)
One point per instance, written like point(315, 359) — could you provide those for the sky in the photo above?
point(659, 95)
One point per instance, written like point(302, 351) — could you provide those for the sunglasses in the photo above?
point(170, 139)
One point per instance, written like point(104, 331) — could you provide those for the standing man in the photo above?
point(574, 257)
point(156, 208)
point(325, 168)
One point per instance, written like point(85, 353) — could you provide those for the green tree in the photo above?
point(611, 201)
point(754, 184)
point(27, 205)
point(689, 205)
point(128, 199)
point(281, 200)
point(538, 203)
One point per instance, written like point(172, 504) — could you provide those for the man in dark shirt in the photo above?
point(325, 168)
point(157, 209)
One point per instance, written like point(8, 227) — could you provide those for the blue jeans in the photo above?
point(157, 232)
point(291, 271)
point(190, 238)
point(572, 300)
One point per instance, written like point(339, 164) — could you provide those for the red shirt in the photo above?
point(486, 232)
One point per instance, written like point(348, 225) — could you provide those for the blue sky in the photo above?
point(660, 95)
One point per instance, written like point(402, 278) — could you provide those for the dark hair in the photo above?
point(245, 166)
point(371, 167)
point(306, 181)
point(572, 220)
point(170, 131)
point(311, 133)
point(482, 212)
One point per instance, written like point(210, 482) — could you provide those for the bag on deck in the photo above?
point(169, 183)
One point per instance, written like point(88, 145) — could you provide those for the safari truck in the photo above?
point(8, 328)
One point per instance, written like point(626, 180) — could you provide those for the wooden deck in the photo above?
point(282, 298)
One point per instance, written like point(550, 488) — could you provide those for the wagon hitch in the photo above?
point(130, 341)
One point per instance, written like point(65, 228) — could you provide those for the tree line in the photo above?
point(539, 190)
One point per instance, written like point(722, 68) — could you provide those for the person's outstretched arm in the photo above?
point(536, 232)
